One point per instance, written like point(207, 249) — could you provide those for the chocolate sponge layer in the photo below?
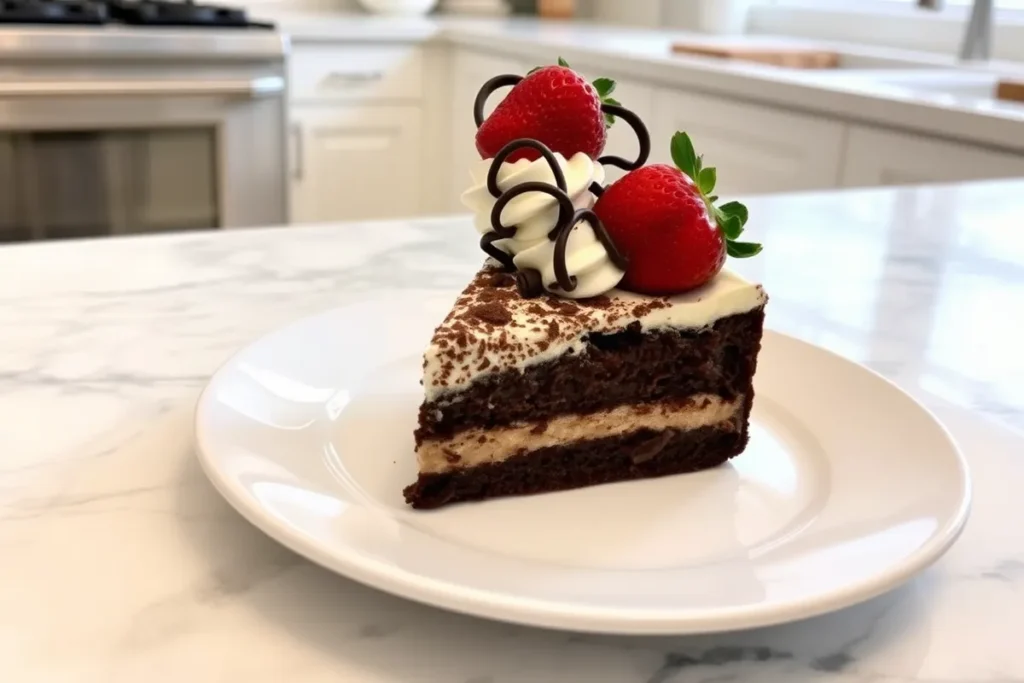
point(627, 367)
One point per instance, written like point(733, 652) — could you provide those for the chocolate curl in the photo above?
point(488, 89)
point(568, 282)
point(513, 147)
point(529, 283)
point(642, 136)
point(565, 206)
point(500, 231)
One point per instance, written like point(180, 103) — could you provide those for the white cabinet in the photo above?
point(755, 148)
point(471, 70)
point(882, 157)
point(356, 116)
point(353, 162)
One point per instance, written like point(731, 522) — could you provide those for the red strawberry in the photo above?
point(664, 221)
point(555, 105)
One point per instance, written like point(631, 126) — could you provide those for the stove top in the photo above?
point(129, 12)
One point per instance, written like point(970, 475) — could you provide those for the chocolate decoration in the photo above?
point(529, 283)
point(565, 206)
point(502, 257)
point(564, 231)
point(488, 89)
point(565, 281)
point(642, 136)
point(513, 147)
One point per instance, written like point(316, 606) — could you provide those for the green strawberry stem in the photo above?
point(604, 87)
point(729, 217)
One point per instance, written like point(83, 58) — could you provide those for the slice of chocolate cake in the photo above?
point(531, 395)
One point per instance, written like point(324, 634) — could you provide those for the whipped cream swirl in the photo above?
point(535, 216)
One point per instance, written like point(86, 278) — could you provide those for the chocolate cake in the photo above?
point(532, 395)
point(602, 341)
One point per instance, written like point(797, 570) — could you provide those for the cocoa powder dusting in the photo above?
point(493, 313)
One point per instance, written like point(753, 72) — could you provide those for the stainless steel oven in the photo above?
point(112, 131)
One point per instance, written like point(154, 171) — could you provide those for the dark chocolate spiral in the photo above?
point(642, 136)
point(558, 192)
point(513, 147)
point(565, 206)
point(561, 236)
point(488, 89)
point(502, 257)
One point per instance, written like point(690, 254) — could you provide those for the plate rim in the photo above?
point(507, 608)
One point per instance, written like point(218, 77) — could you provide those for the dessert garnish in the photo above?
point(532, 203)
point(658, 230)
point(666, 221)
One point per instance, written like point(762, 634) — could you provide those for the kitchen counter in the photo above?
point(121, 563)
point(892, 97)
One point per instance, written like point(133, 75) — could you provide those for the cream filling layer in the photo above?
point(481, 446)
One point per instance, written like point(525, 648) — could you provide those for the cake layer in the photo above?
point(637, 455)
point(493, 330)
point(480, 446)
point(629, 367)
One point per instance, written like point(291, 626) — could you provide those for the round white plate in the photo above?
point(847, 489)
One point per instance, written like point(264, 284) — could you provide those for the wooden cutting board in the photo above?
point(1011, 90)
point(793, 58)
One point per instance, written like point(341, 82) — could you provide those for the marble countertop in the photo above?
point(122, 564)
point(894, 97)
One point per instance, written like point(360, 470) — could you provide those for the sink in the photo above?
point(955, 84)
point(975, 89)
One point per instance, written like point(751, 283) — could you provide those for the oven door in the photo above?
point(96, 157)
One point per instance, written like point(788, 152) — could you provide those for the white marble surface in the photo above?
point(120, 563)
point(893, 99)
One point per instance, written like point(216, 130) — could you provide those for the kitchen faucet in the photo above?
point(977, 43)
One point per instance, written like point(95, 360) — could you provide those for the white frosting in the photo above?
point(535, 214)
point(727, 294)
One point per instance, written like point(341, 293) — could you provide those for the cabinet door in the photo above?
point(356, 162)
point(472, 70)
point(881, 157)
point(755, 148)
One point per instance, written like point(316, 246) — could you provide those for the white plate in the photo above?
point(848, 488)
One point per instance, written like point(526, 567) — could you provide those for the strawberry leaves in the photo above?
point(730, 217)
point(684, 156)
point(605, 87)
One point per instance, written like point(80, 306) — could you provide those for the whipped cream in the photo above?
point(535, 215)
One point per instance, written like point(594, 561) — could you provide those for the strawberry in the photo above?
point(555, 105)
point(665, 221)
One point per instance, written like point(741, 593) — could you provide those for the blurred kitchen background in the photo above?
point(143, 116)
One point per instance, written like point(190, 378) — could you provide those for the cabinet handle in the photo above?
point(354, 77)
point(298, 170)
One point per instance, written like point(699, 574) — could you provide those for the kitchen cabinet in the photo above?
point(754, 147)
point(353, 162)
point(882, 157)
point(356, 116)
point(470, 71)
